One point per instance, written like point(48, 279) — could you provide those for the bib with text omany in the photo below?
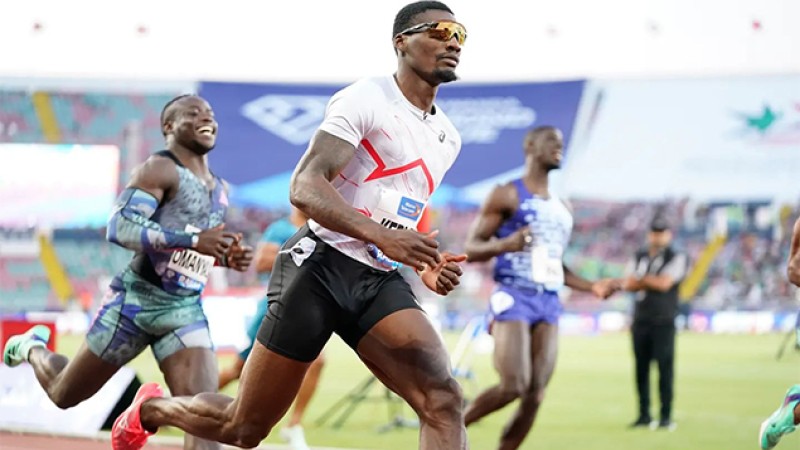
point(395, 211)
point(547, 265)
point(191, 268)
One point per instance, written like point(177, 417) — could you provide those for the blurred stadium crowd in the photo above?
point(746, 274)
point(743, 272)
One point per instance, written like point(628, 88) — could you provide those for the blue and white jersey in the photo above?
point(193, 208)
point(538, 266)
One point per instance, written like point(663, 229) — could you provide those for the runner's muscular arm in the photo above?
point(130, 226)
point(156, 176)
point(600, 288)
point(312, 192)
point(575, 281)
point(793, 269)
point(481, 244)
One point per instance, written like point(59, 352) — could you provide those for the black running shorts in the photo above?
point(316, 290)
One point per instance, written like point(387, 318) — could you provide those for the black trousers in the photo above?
point(654, 342)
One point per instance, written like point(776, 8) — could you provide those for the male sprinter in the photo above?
point(364, 181)
point(172, 215)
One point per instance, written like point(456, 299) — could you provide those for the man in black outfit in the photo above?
point(654, 276)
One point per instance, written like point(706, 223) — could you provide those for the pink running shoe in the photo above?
point(127, 432)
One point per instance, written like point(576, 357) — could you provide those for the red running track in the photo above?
point(24, 441)
point(10, 440)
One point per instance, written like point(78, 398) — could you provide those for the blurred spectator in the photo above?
point(654, 276)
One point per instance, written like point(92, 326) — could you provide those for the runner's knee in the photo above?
point(442, 402)
point(245, 434)
point(534, 397)
point(514, 386)
point(65, 396)
point(64, 399)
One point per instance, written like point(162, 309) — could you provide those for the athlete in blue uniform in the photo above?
point(171, 214)
point(526, 228)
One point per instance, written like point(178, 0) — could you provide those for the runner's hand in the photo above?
point(410, 247)
point(240, 256)
point(215, 242)
point(516, 241)
point(605, 287)
point(444, 277)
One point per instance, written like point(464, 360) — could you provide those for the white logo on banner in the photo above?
point(481, 119)
point(291, 117)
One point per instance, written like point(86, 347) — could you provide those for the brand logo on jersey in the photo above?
point(409, 208)
point(441, 136)
point(301, 250)
point(223, 198)
point(294, 118)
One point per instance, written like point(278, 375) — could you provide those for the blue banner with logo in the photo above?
point(494, 118)
point(265, 128)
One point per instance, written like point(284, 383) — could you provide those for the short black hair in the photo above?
point(534, 133)
point(166, 113)
point(539, 130)
point(404, 18)
point(659, 223)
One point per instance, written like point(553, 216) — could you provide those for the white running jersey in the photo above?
point(402, 154)
point(539, 266)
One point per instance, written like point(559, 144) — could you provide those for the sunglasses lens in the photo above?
point(440, 34)
point(446, 30)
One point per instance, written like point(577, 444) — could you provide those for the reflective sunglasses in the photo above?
point(443, 31)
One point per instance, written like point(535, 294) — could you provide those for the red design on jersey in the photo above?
point(348, 180)
point(382, 172)
point(364, 211)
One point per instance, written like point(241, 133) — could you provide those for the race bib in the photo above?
point(547, 265)
point(397, 211)
point(191, 264)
